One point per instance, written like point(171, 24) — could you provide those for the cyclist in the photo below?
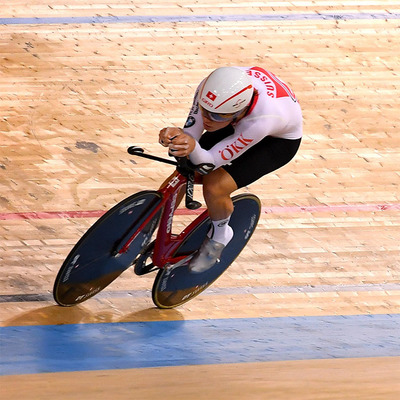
point(247, 123)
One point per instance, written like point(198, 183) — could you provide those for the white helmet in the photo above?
point(226, 90)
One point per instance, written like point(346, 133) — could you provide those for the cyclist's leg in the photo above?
point(263, 158)
point(217, 188)
point(266, 156)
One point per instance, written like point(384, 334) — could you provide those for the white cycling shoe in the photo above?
point(208, 255)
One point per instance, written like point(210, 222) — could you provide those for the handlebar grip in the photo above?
point(135, 150)
point(183, 163)
point(138, 151)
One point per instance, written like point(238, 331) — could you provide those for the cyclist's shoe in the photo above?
point(207, 256)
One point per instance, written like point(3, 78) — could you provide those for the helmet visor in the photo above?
point(216, 117)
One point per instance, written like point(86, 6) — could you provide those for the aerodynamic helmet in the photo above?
point(227, 90)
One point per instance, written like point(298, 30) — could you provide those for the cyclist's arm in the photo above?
point(199, 155)
point(248, 132)
point(194, 122)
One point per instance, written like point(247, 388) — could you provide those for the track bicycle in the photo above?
point(122, 238)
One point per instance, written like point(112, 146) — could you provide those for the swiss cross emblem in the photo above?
point(211, 96)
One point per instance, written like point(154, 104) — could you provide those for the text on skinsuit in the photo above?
point(234, 148)
point(275, 87)
point(268, 83)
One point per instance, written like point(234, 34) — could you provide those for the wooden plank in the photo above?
point(376, 378)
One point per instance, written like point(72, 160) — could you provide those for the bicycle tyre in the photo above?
point(91, 265)
point(175, 286)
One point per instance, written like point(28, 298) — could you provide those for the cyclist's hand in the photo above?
point(167, 134)
point(182, 145)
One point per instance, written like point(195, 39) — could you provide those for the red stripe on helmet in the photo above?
point(236, 94)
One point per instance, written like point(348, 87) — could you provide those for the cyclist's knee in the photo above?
point(212, 190)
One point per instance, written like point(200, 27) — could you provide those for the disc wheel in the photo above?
point(175, 284)
point(91, 265)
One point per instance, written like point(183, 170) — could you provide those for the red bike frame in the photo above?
point(166, 243)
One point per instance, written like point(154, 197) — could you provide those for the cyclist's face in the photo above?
point(211, 125)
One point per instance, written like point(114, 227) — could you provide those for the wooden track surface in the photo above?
point(75, 96)
point(372, 379)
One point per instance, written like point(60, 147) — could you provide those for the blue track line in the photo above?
point(135, 19)
point(83, 347)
